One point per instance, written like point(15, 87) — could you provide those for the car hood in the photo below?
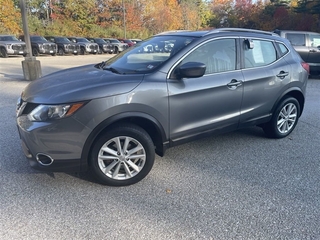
point(78, 84)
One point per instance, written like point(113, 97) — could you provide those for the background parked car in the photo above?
point(10, 45)
point(104, 47)
point(65, 46)
point(118, 46)
point(307, 44)
point(85, 45)
point(41, 45)
point(127, 41)
point(135, 40)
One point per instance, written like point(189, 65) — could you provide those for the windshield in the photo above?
point(99, 40)
point(82, 40)
point(8, 38)
point(114, 40)
point(148, 55)
point(38, 38)
point(63, 40)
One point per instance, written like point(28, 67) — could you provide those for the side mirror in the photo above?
point(191, 70)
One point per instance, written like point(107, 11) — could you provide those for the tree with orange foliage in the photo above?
point(8, 17)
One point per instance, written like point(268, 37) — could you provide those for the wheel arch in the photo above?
point(145, 121)
point(295, 93)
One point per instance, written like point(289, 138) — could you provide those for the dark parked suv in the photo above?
point(104, 47)
point(307, 44)
point(41, 45)
point(112, 117)
point(85, 45)
point(65, 46)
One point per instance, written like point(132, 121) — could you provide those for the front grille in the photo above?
point(94, 47)
point(73, 47)
point(29, 107)
point(18, 47)
point(24, 108)
point(49, 47)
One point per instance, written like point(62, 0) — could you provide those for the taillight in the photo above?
point(306, 66)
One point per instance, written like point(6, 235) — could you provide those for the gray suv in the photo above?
point(112, 117)
point(10, 45)
point(307, 44)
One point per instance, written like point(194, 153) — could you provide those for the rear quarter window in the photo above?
point(283, 50)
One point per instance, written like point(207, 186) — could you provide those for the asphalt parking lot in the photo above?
point(240, 185)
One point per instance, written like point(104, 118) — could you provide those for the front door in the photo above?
point(211, 102)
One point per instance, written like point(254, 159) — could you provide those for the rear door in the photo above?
point(266, 75)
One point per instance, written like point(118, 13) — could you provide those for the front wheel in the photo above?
point(284, 119)
point(35, 52)
point(60, 52)
point(82, 51)
point(3, 52)
point(123, 156)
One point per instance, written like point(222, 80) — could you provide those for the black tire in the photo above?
point(3, 52)
point(60, 52)
point(124, 168)
point(284, 119)
point(35, 52)
point(82, 51)
point(116, 50)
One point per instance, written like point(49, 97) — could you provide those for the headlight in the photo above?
point(8, 46)
point(41, 46)
point(48, 112)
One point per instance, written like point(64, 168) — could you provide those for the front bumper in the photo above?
point(50, 149)
point(16, 52)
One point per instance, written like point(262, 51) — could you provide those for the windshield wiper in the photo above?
point(111, 69)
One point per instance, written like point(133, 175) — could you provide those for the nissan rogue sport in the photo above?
point(111, 118)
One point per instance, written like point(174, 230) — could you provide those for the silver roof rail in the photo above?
point(241, 30)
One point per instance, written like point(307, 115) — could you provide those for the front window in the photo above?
point(218, 55)
point(147, 55)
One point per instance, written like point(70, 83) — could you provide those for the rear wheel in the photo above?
point(284, 119)
point(123, 156)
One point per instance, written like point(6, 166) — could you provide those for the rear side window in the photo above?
point(282, 49)
point(296, 39)
point(260, 54)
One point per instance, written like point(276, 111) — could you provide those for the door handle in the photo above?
point(282, 74)
point(234, 84)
